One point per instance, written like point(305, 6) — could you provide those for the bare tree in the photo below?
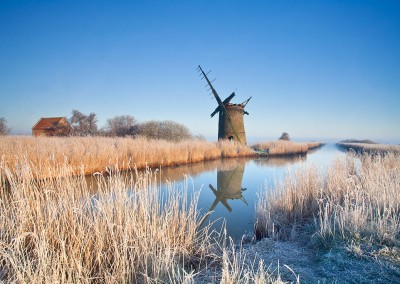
point(149, 129)
point(121, 125)
point(78, 121)
point(167, 130)
point(92, 123)
point(61, 130)
point(174, 131)
point(4, 130)
point(200, 137)
point(82, 124)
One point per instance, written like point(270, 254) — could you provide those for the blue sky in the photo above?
point(315, 69)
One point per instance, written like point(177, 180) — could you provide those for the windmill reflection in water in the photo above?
point(229, 187)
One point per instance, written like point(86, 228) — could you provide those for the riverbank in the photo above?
point(130, 231)
point(89, 155)
point(286, 148)
point(342, 226)
point(371, 148)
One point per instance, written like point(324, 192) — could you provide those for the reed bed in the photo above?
point(93, 154)
point(55, 230)
point(283, 147)
point(237, 267)
point(357, 201)
point(371, 148)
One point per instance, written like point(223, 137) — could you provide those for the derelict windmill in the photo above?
point(231, 125)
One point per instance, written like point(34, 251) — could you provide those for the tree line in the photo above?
point(121, 125)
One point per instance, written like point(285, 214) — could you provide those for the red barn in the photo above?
point(51, 126)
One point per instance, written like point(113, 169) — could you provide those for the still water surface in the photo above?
point(229, 187)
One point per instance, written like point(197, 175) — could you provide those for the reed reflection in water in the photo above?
point(232, 187)
point(229, 186)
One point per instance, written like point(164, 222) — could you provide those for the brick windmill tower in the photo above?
point(231, 124)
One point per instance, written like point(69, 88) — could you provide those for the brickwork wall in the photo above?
point(225, 131)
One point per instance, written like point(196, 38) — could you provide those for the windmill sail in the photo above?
point(226, 101)
point(221, 104)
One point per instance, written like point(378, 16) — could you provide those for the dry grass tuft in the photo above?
point(361, 200)
point(237, 267)
point(281, 208)
point(358, 200)
point(283, 147)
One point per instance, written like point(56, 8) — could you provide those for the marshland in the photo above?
point(82, 210)
point(144, 143)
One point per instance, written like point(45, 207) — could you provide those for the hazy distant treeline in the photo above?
point(3, 126)
point(121, 125)
point(127, 125)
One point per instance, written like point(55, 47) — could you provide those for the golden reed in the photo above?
point(357, 199)
point(94, 154)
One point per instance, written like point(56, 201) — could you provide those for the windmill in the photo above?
point(230, 125)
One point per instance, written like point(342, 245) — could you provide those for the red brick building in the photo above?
point(51, 126)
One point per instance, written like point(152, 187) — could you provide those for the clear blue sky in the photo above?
point(315, 69)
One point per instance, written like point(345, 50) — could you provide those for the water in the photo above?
point(229, 187)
